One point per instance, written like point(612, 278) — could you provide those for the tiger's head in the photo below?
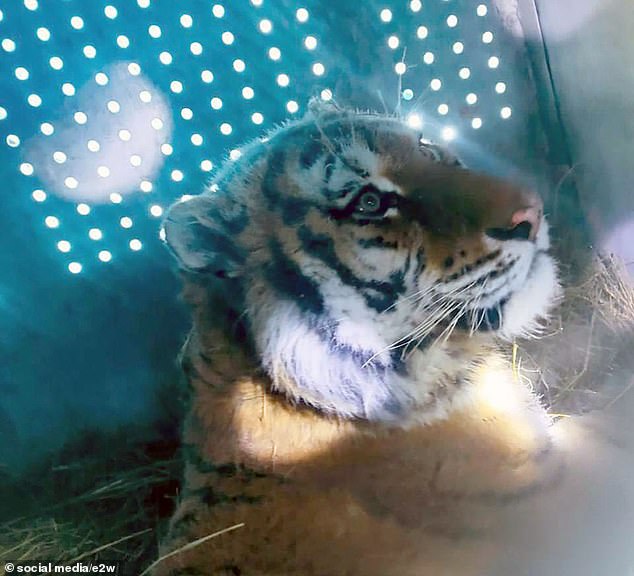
point(370, 267)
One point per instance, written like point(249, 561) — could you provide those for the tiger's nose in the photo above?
point(523, 225)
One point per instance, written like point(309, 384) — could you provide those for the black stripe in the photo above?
point(378, 295)
point(288, 279)
point(311, 151)
point(377, 242)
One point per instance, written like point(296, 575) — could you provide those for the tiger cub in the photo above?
point(350, 413)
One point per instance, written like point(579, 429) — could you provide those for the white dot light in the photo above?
point(105, 255)
point(39, 195)
point(393, 42)
point(30, 4)
point(428, 58)
point(93, 145)
point(487, 37)
point(493, 62)
point(506, 112)
point(110, 12)
point(134, 69)
point(196, 139)
point(386, 15)
point(326, 95)
point(226, 128)
point(89, 51)
point(156, 123)
point(125, 135)
point(318, 69)
point(59, 157)
point(126, 222)
point(77, 22)
point(415, 5)
point(408, 94)
point(302, 15)
point(156, 210)
point(101, 78)
point(136, 160)
point(471, 98)
point(257, 118)
point(43, 34)
point(207, 76)
point(458, 47)
point(154, 31)
point(247, 93)
point(8, 45)
point(415, 121)
point(166, 149)
point(176, 175)
point(71, 182)
point(218, 10)
point(13, 141)
point(196, 48)
point(464, 73)
point(95, 234)
point(239, 65)
point(186, 21)
point(3, 113)
point(123, 41)
point(234, 154)
point(103, 171)
point(116, 198)
point(83, 209)
point(274, 53)
point(113, 106)
point(206, 165)
point(68, 89)
point(176, 86)
point(21, 73)
point(481, 10)
point(51, 222)
point(452, 20)
point(476, 123)
point(448, 133)
point(216, 103)
point(26, 168)
point(47, 128)
point(64, 246)
point(75, 267)
point(135, 244)
point(80, 117)
point(165, 58)
point(500, 87)
point(256, 2)
point(145, 96)
point(422, 32)
point(145, 186)
point(310, 42)
point(435, 84)
point(265, 26)
point(400, 68)
point(443, 109)
point(187, 113)
point(227, 38)
point(34, 100)
point(292, 106)
point(56, 63)
point(283, 80)
point(143, 3)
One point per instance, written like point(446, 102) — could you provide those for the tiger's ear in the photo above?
point(196, 234)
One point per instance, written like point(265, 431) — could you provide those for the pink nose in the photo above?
point(528, 219)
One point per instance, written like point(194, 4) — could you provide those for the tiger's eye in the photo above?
point(369, 202)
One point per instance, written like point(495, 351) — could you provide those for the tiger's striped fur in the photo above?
point(349, 282)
